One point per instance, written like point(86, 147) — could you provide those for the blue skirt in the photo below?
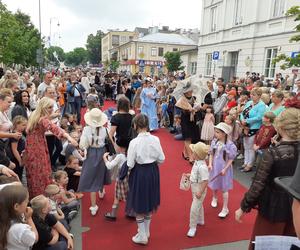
point(144, 188)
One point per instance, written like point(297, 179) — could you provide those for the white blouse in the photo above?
point(143, 149)
point(90, 138)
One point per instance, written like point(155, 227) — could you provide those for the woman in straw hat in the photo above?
point(36, 157)
point(190, 130)
point(94, 174)
point(274, 215)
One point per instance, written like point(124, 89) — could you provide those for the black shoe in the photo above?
point(110, 217)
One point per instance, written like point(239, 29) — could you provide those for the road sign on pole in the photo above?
point(216, 55)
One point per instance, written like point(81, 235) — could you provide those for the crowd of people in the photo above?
point(57, 143)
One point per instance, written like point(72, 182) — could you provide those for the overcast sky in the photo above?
point(79, 18)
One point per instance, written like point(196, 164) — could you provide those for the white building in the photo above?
point(246, 36)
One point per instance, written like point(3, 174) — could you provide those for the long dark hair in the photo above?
point(9, 196)
point(18, 98)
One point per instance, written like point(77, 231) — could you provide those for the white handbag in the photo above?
point(185, 183)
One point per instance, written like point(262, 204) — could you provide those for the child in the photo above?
point(67, 198)
point(222, 154)
point(207, 131)
point(164, 122)
point(199, 180)
point(121, 188)
point(72, 150)
point(74, 171)
point(231, 95)
point(18, 230)
point(18, 146)
point(263, 137)
point(52, 192)
point(94, 173)
point(235, 128)
point(144, 189)
point(49, 229)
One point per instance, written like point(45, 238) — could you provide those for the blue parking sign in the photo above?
point(295, 54)
point(142, 63)
point(216, 55)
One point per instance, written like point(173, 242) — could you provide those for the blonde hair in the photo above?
point(38, 203)
point(58, 174)
point(5, 92)
point(41, 110)
point(18, 120)
point(265, 98)
point(256, 91)
point(289, 121)
point(51, 189)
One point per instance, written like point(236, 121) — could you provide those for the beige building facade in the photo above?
point(146, 54)
point(114, 39)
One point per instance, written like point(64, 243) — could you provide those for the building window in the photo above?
point(208, 64)
point(271, 53)
point(140, 50)
point(123, 39)
point(153, 52)
point(193, 68)
point(175, 49)
point(278, 8)
point(213, 19)
point(238, 19)
point(160, 51)
point(115, 40)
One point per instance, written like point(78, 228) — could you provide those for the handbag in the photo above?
point(109, 145)
point(123, 171)
point(185, 183)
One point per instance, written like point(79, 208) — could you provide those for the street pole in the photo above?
point(40, 52)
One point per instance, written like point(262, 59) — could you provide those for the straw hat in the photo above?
point(200, 149)
point(224, 127)
point(95, 118)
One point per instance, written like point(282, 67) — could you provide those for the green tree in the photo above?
point(288, 61)
point(173, 61)
point(114, 65)
point(50, 55)
point(19, 40)
point(77, 57)
point(93, 46)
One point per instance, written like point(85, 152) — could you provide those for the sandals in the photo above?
point(247, 169)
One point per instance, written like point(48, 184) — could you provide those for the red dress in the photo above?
point(36, 157)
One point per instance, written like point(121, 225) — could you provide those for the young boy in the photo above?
point(199, 180)
point(263, 138)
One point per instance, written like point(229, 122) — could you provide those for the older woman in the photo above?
point(6, 98)
point(22, 106)
point(277, 102)
point(274, 205)
point(190, 130)
point(251, 119)
point(36, 156)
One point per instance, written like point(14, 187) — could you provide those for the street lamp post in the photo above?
point(50, 33)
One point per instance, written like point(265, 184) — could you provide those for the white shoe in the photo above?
point(102, 194)
point(191, 233)
point(214, 202)
point(240, 156)
point(200, 222)
point(223, 213)
point(94, 210)
point(140, 239)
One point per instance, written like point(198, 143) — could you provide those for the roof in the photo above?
point(167, 38)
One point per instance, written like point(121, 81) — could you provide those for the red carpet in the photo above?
point(170, 224)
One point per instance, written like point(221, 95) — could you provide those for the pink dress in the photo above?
point(208, 130)
point(36, 157)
